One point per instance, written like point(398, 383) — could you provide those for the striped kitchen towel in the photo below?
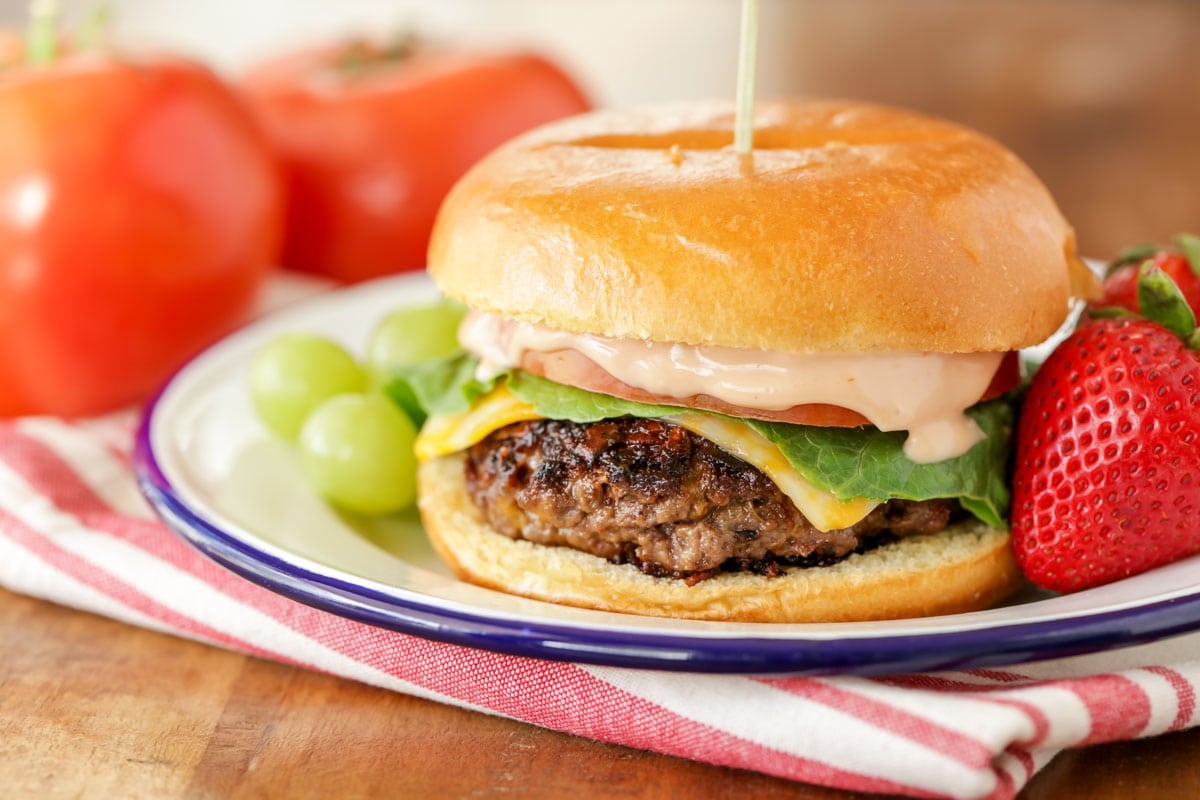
point(74, 530)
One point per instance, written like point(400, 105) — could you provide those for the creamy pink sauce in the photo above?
point(924, 394)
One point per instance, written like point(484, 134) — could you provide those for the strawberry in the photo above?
point(1120, 289)
point(1107, 476)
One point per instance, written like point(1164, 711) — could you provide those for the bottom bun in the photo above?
point(966, 567)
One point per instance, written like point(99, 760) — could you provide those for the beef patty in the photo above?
point(650, 493)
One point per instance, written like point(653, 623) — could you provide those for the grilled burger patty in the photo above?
point(650, 493)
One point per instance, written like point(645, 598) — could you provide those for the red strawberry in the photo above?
point(1120, 288)
point(1107, 475)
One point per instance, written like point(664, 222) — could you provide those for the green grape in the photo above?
point(412, 335)
point(357, 452)
point(294, 373)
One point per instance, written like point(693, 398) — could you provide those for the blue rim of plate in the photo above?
point(993, 646)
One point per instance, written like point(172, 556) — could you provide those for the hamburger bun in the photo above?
point(966, 567)
point(851, 228)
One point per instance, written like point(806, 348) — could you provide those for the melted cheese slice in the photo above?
point(818, 506)
point(450, 433)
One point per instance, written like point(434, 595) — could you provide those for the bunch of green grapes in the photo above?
point(355, 445)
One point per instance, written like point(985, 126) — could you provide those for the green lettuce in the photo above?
point(868, 462)
point(443, 386)
point(848, 462)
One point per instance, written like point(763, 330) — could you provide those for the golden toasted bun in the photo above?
point(853, 228)
point(967, 567)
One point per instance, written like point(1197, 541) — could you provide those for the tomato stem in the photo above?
point(94, 30)
point(41, 38)
point(360, 55)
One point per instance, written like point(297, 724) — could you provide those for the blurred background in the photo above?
point(1101, 97)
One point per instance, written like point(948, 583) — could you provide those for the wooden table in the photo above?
point(94, 708)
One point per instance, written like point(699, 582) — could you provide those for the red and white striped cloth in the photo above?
point(74, 530)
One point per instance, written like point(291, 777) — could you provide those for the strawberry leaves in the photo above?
point(1189, 245)
point(1135, 254)
point(1162, 302)
point(1120, 287)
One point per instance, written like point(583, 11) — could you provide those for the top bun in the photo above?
point(850, 228)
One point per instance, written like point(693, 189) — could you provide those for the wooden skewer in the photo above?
point(743, 132)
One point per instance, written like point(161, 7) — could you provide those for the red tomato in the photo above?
point(371, 143)
point(140, 210)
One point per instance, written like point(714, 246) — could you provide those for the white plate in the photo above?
point(234, 492)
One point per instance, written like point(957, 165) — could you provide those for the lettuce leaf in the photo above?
point(849, 462)
point(443, 386)
point(868, 462)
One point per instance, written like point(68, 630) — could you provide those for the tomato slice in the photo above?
point(1008, 376)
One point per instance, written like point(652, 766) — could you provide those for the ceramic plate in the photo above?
point(235, 493)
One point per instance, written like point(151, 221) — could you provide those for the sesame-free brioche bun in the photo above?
point(850, 228)
point(963, 568)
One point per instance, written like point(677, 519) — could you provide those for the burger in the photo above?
point(761, 387)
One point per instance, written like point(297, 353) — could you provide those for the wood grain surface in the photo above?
point(1100, 97)
point(90, 707)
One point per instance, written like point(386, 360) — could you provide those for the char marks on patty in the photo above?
point(650, 493)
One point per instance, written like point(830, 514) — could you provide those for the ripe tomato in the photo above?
point(140, 209)
point(371, 141)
